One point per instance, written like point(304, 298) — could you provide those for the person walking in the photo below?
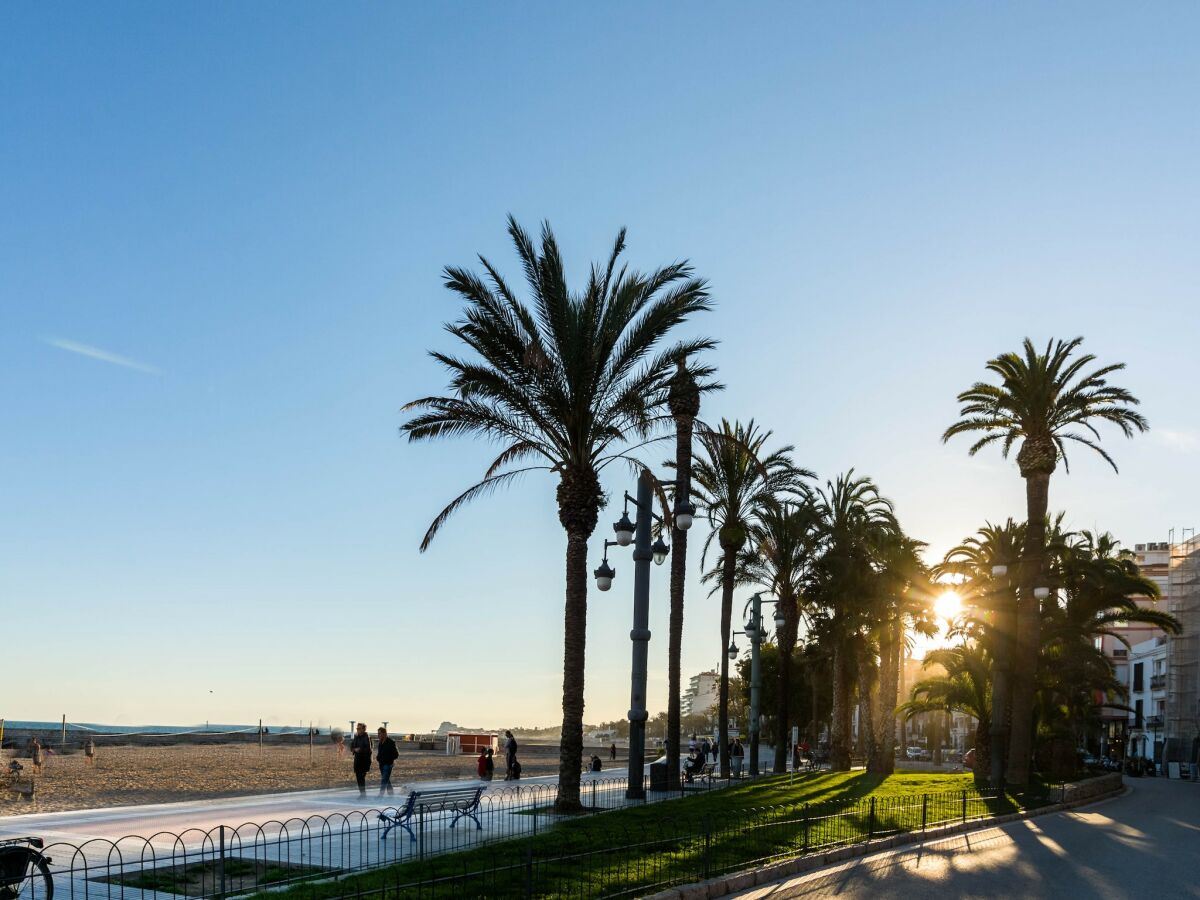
point(360, 748)
point(737, 755)
point(612, 752)
point(386, 755)
point(511, 766)
point(89, 752)
point(704, 748)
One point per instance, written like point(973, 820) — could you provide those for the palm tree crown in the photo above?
point(1041, 398)
point(567, 380)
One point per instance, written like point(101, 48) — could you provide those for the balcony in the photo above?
point(1158, 682)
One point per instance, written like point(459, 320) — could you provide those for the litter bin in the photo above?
point(658, 776)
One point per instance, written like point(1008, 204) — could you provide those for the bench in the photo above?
point(462, 801)
point(706, 771)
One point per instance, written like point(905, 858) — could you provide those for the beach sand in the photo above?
point(129, 776)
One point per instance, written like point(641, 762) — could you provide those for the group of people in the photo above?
point(385, 753)
point(485, 765)
point(699, 752)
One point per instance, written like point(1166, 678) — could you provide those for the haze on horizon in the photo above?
point(221, 242)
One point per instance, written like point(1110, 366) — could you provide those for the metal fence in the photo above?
point(232, 860)
point(671, 850)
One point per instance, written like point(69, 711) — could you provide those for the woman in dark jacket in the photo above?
point(360, 746)
point(386, 753)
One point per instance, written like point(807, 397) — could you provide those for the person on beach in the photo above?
point(612, 752)
point(481, 765)
point(89, 752)
point(360, 747)
point(386, 754)
point(36, 755)
point(510, 757)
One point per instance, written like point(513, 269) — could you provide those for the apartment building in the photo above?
point(703, 693)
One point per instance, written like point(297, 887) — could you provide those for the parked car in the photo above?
point(914, 753)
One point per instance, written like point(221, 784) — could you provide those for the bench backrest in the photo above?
point(444, 798)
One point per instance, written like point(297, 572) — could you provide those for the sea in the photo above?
point(205, 728)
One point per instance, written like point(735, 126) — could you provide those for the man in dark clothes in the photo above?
point(360, 746)
point(386, 753)
point(510, 756)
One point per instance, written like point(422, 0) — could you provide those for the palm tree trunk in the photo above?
point(866, 713)
point(729, 566)
point(889, 687)
point(782, 711)
point(839, 728)
point(983, 752)
point(1024, 669)
point(570, 752)
point(684, 404)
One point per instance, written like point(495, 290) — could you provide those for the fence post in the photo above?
point(707, 846)
point(529, 872)
point(221, 861)
point(593, 796)
point(871, 820)
point(805, 828)
point(924, 810)
point(421, 832)
point(964, 807)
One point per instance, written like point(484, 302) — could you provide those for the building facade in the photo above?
point(703, 693)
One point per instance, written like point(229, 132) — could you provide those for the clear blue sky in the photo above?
point(247, 208)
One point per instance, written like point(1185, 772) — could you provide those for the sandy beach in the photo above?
point(127, 775)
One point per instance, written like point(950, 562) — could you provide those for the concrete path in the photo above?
point(1143, 844)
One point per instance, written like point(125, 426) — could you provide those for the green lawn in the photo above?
point(639, 848)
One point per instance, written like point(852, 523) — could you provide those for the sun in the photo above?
point(948, 606)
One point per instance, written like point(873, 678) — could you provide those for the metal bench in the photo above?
point(462, 801)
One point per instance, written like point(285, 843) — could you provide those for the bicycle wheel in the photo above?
point(38, 883)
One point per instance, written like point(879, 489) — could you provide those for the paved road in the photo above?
point(1144, 844)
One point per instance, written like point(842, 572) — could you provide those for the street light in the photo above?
point(637, 533)
point(684, 512)
point(1041, 593)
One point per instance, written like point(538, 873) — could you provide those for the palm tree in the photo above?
point(903, 598)
point(963, 688)
point(784, 537)
point(1041, 398)
point(991, 624)
point(563, 383)
point(854, 521)
point(683, 400)
point(733, 480)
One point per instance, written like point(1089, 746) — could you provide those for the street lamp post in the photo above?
point(644, 551)
point(756, 634)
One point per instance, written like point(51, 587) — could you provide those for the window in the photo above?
point(1138, 712)
point(1137, 682)
point(1120, 652)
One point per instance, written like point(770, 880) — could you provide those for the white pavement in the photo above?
point(1143, 844)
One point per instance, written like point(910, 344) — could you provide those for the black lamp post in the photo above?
point(638, 533)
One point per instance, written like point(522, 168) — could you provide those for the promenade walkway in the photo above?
point(97, 852)
point(1143, 844)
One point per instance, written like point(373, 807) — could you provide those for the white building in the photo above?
point(703, 693)
point(1145, 675)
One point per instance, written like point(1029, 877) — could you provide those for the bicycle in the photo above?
point(25, 870)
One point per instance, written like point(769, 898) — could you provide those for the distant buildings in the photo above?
point(703, 693)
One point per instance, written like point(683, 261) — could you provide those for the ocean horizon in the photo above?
point(202, 728)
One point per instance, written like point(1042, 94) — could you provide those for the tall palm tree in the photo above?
point(991, 623)
point(683, 401)
point(1043, 400)
point(733, 480)
point(563, 382)
point(903, 598)
point(783, 536)
point(854, 522)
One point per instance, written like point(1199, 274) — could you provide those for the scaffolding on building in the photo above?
point(1183, 658)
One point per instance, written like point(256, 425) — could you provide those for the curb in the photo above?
point(723, 885)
